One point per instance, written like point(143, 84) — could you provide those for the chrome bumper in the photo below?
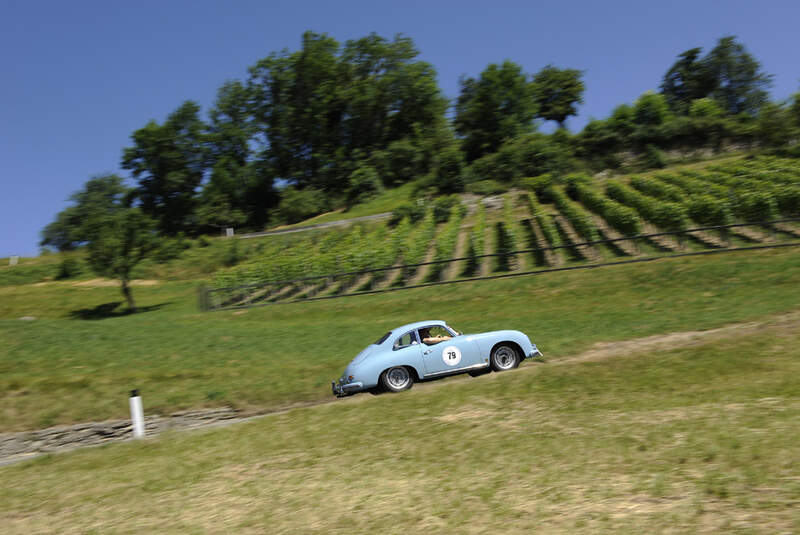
point(535, 353)
point(345, 389)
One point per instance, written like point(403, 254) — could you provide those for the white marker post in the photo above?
point(137, 414)
point(229, 232)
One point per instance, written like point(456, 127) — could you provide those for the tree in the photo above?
point(446, 172)
point(739, 84)
point(169, 161)
point(238, 191)
point(117, 234)
point(118, 240)
point(67, 231)
point(494, 108)
point(556, 92)
point(326, 106)
point(728, 74)
point(687, 80)
point(774, 125)
point(62, 234)
point(794, 111)
point(363, 183)
point(650, 109)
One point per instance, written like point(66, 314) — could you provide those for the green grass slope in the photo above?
point(77, 361)
point(700, 439)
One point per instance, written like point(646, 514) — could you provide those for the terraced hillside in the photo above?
point(580, 222)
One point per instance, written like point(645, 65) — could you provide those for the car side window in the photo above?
point(406, 340)
point(434, 334)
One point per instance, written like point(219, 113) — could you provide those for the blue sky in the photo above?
point(79, 77)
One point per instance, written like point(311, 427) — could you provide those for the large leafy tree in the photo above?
point(238, 191)
point(728, 74)
point(117, 234)
point(493, 108)
point(169, 162)
point(688, 79)
point(67, 231)
point(557, 92)
point(326, 107)
point(739, 84)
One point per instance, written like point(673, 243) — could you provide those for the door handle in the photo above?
point(426, 352)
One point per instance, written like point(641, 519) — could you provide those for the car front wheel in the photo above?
point(504, 357)
point(396, 379)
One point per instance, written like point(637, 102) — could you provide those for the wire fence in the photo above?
point(522, 262)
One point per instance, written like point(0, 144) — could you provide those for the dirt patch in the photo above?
point(471, 414)
point(605, 350)
point(100, 283)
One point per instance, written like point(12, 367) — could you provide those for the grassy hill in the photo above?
point(698, 438)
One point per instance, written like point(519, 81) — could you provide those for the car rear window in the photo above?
point(382, 339)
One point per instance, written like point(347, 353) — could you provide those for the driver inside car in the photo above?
point(425, 336)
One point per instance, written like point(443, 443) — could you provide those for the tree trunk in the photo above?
point(126, 291)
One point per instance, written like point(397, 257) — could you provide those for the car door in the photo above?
point(406, 349)
point(450, 355)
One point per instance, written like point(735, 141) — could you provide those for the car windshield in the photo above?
point(382, 339)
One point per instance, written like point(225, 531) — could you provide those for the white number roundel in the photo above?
point(451, 355)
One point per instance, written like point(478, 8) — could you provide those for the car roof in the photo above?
point(416, 325)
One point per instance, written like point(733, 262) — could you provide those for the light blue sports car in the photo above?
point(427, 350)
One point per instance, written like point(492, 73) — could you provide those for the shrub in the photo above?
point(503, 246)
point(486, 187)
point(573, 181)
point(620, 217)
point(658, 189)
point(755, 206)
point(653, 158)
point(363, 184)
point(538, 183)
point(446, 241)
point(544, 221)
point(232, 254)
point(670, 216)
point(663, 214)
point(787, 199)
point(443, 206)
point(447, 170)
point(580, 220)
point(68, 268)
point(171, 248)
point(412, 211)
point(299, 204)
point(708, 210)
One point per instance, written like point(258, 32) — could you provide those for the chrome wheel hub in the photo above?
point(504, 358)
point(398, 377)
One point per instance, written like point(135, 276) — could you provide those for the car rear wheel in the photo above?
point(504, 357)
point(396, 379)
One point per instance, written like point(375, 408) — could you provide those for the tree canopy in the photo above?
point(557, 92)
point(728, 74)
point(117, 234)
point(495, 107)
point(169, 161)
point(325, 107)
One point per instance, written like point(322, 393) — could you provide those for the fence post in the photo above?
point(137, 414)
point(202, 297)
